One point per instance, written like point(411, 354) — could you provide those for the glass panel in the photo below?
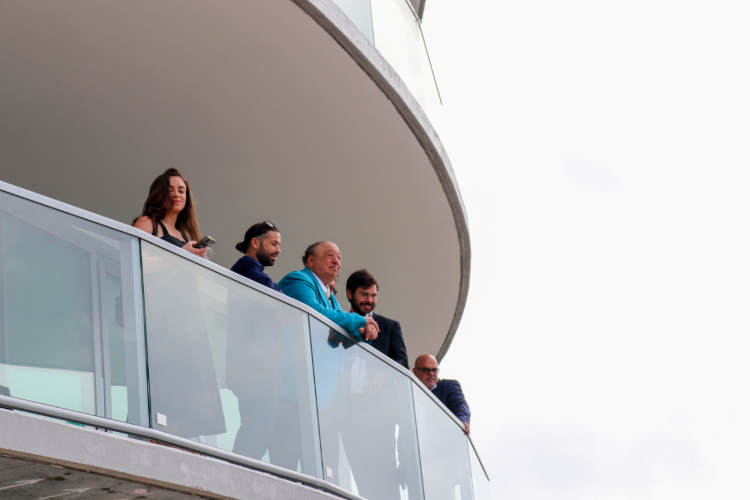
point(358, 11)
point(65, 286)
point(479, 479)
point(228, 366)
point(443, 450)
point(398, 37)
point(366, 415)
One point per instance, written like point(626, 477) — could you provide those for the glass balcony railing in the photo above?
point(104, 320)
point(480, 480)
point(71, 327)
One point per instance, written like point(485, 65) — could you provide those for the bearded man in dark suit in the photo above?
point(362, 291)
point(379, 430)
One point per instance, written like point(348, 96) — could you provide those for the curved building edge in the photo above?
point(338, 25)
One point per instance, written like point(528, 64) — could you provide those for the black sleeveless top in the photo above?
point(168, 237)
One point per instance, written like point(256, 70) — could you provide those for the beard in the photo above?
point(358, 309)
point(264, 258)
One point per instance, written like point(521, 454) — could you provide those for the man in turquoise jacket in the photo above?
point(311, 287)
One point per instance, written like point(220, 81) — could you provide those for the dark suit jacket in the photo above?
point(450, 394)
point(390, 340)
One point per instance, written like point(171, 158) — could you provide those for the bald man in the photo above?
point(311, 286)
point(447, 391)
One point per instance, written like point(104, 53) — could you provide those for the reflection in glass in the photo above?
point(182, 378)
point(443, 448)
point(367, 429)
point(228, 366)
point(61, 279)
point(115, 335)
point(479, 479)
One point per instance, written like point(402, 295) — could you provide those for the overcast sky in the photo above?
point(603, 153)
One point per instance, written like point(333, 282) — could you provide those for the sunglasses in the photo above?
point(262, 230)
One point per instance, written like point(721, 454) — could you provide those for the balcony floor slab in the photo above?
point(98, 463)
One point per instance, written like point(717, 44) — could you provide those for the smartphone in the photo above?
point(207, 241)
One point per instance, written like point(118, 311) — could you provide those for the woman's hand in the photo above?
point(200, 252)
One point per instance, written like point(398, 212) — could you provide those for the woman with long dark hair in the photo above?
point(183, 381)
point(169, 212)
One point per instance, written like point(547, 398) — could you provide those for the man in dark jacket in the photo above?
point(362, 291)
point(261, 246)
point(447, 391)
point(258, 334)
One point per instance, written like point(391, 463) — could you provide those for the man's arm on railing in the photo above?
point(458, 405)
point(303, 291)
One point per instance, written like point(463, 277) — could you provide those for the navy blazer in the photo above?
point(390, 340)
point(450, 394)
point(250, 268)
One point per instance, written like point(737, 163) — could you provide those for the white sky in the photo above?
point(603, 153)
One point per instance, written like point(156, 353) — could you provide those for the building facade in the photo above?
point(317, 115)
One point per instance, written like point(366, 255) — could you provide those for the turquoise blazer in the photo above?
point(304, 286)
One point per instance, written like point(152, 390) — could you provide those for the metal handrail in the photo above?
point(162, 437)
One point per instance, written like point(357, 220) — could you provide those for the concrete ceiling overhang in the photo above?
point(273, 110)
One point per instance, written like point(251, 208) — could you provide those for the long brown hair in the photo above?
point(159, 204)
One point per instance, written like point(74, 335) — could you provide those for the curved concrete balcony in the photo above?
point(109, 327)
point(275, 110)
